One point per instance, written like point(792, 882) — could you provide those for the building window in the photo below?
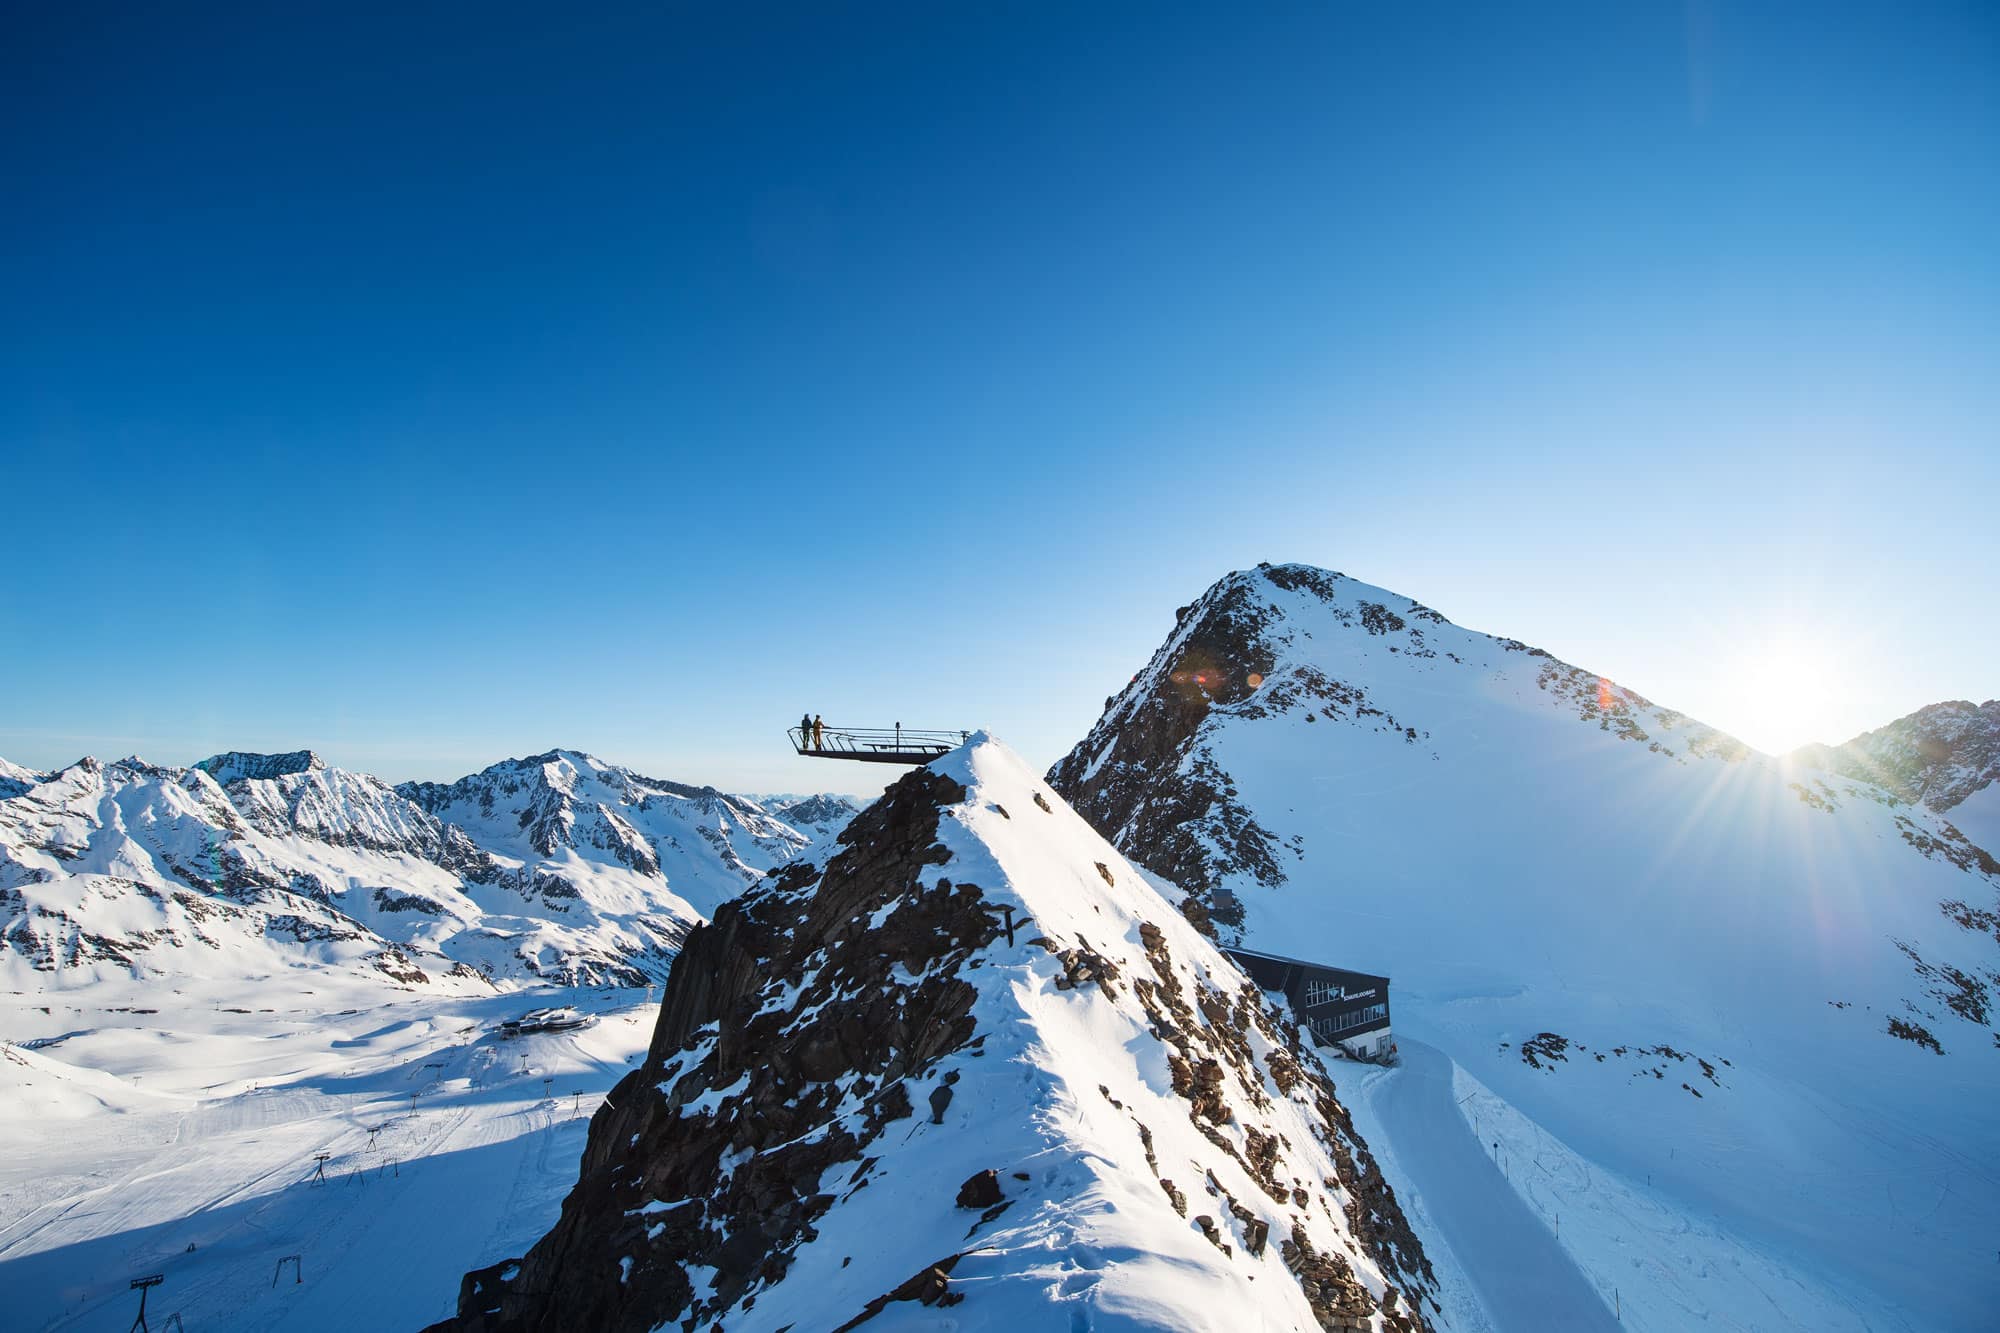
point(1322, 992)
point(1332, 1025)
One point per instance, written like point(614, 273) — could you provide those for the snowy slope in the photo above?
point(172, 1130)
point(14, 779)
point(1162, 1154)
point(1978, 816)
point(1758, 995)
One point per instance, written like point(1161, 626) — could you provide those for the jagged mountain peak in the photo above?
point(236, 765)
point(1945, 757)
point(814, 809)
point(966, 1058)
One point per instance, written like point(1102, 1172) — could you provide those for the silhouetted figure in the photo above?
point(805, 731)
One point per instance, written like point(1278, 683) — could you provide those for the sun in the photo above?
point(1783, 692)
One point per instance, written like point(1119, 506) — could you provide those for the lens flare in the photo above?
point(1254, 679)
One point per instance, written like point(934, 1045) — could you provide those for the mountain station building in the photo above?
point(1340, 1008)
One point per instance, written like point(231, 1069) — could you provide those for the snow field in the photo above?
point(133, 1137)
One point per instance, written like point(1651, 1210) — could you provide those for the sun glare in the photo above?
point(1782, 695)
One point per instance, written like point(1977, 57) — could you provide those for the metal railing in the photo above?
point(888, 744)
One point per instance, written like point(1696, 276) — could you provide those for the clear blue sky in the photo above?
point(432, 387)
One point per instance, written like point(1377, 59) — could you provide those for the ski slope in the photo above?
point(1524, 1277)
point(183, 1142)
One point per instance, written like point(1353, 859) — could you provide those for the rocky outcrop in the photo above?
point(765, 1144)
point(730, 1075)
point(238, 765)
point(1936, 757)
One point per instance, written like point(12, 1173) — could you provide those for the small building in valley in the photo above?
point(1340, 1008)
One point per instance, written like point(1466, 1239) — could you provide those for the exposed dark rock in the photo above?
point(981, 1191)
point(1916, 1033)
point(1936, 756)
point(930, 1287)
point(653, 1193)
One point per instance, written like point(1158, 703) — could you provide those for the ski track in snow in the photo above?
point(1524, 1277)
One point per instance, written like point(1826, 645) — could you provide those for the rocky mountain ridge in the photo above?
point(966, 1059)
point(1944, 757)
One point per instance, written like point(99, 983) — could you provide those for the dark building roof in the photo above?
point(1250, 958)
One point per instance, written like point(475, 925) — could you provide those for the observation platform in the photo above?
point(876, 745)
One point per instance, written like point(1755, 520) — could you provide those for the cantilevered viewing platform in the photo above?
point(875, 745)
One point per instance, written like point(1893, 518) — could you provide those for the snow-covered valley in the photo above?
point(174, 1129)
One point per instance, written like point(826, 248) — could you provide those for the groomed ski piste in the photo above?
point(171, 1128)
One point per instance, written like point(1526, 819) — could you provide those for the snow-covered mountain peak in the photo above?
point(1626, 924)
point(564, 805)
point(15, 779)
point(966, 1059)
point(1294, 645)
point(236, 765)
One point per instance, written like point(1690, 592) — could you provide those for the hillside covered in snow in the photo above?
point(1739, 1012)
point(967, 1070)
point(558, 868)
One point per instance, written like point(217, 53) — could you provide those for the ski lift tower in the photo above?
point(142, 1285)
point(875, 745)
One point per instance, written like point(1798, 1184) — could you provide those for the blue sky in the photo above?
point(431, 388)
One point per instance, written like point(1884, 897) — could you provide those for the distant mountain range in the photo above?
point(559, 867)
